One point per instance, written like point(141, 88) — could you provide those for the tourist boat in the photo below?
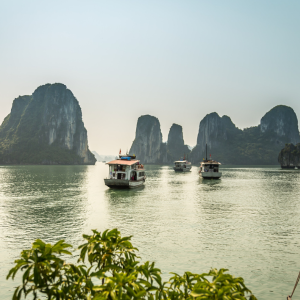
point(182, 166)
point(209, 169)
point(125, 172)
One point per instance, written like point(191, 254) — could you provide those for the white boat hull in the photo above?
point(180, 169)
point(123, 184)
point(211, 175)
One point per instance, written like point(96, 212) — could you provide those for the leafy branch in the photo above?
point(113, 272)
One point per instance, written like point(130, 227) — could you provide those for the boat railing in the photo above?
point(139, 167)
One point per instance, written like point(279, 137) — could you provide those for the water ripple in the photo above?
point(248, 222)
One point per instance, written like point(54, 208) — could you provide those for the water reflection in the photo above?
point(118, 196)
point(212, 183)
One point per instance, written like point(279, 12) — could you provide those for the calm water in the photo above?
point(248, 222)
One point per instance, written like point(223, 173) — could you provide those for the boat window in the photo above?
point(119, 168)
point(142, 174)
point(121, 176)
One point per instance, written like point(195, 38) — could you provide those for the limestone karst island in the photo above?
point(45, 128)
point(257, 145)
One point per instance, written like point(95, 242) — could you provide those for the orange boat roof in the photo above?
point(123, 162)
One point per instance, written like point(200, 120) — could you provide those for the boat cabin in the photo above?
point(182, 166)
point(209, 166)
point(180, 163)
point(126, 168)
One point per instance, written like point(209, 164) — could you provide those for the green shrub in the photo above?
point(113, 272)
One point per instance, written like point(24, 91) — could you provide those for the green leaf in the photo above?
point(114, 273)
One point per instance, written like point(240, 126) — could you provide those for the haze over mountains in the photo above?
point(177, 62)
point(101, 157)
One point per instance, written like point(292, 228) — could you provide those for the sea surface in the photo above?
point(247, 222)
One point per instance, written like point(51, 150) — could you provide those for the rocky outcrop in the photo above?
point(254, 145)
point(148, 145)
point(289, 156)
point(216, 132)
point(176, 148)
point(45, 128)
point(282, 123)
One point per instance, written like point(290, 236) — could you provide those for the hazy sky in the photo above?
point(176, 60)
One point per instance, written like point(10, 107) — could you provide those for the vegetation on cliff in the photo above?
point(113, 272)
point(258, 145)
point(45, 128)
point(245, 147)
point(289, 156)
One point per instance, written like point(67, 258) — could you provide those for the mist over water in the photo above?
point(248, 222)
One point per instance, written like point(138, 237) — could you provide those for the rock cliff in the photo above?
point(218, 133)
point(254, 145)
point(214, 130)
point(289, 156)
point(281, 122)
point(45, 128)
point(176, 148)
point(148, 145)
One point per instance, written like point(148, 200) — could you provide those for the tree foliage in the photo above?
point(113, 272)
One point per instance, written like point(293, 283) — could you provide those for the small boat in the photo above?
point(209, 169)
point(182, 166)
point(125, 172)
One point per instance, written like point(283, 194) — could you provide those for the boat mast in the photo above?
point(206, 150)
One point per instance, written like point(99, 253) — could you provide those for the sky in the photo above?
point(175, 60)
